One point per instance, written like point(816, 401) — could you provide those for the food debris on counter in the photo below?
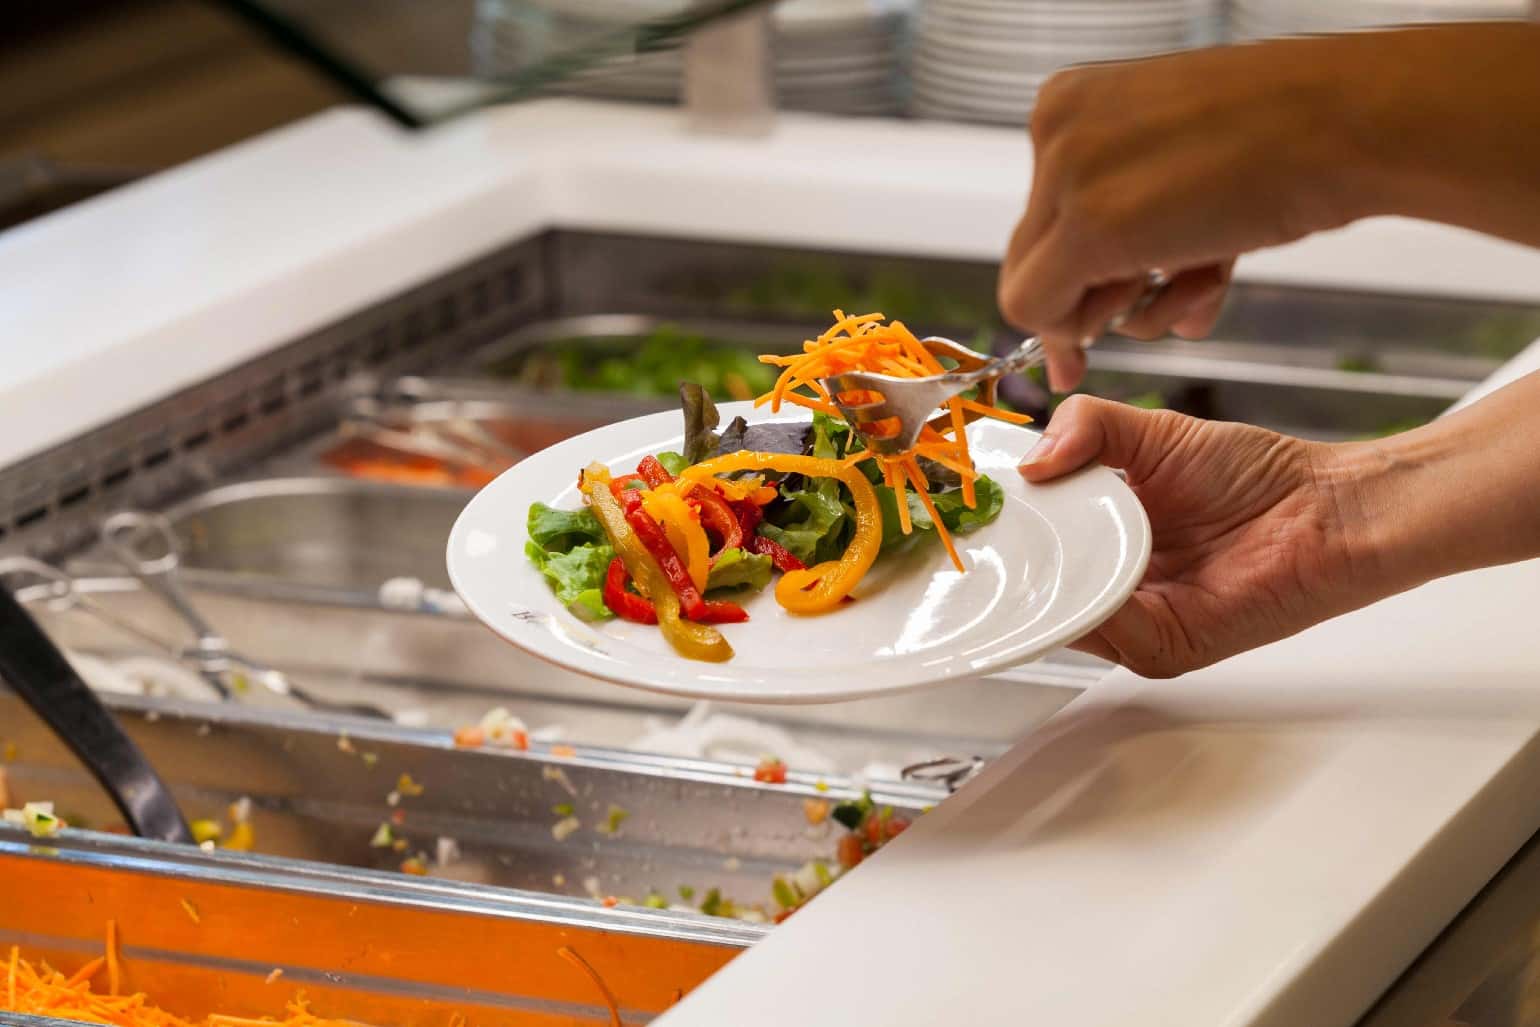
point(37, 817)
point(816, 811)
point(191, 911)
point(565, 828)
point(243, 836)
point(383, 838)
point(206, 830)
point(272, 977)
point(613, 819)
point(498, 728)
point(408, 787)
point(559, 776)
point(771, 771)
point(416, 865)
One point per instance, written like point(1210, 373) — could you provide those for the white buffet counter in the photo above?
point(1265, 843)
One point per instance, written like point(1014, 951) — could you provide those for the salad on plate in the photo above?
point(802, 507)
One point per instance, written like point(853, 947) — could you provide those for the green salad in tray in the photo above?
point(651, 366)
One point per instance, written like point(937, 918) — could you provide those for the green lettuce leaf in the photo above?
point(812, 523)
point(961, 520)
point(576, 575)
point(673, 463)
point(830, 437)
point(738, 568)
point(560, 530)
point(949, 505)
point(893, 537)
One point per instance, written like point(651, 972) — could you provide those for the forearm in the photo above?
point(1455, 495)
point(1445, 122)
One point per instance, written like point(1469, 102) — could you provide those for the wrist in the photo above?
point(1388, 544)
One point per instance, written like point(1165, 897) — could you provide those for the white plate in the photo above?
point(1056, 563)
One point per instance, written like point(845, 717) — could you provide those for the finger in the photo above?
point(1066, 363)
point(1044, 289)
point(1086, 429)
point(1186, 291)
point(1144, 637)
point(1103, 304)
point(1095, 645)
point(1199, 322)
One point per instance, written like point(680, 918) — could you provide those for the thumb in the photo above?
point(1086, 429)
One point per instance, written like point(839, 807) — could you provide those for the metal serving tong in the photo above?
point(400, 426)
point(35, 668)
point(878, 400)
point(147, 547)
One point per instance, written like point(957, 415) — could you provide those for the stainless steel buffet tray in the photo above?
point(320, 789)
point(452, 670)
point(1327, 390)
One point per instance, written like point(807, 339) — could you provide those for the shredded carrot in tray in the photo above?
point(39, 990)
point(866, 343)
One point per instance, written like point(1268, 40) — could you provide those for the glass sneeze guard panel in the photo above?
point(426, 63)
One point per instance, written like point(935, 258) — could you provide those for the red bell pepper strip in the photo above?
point(623, 604)
point(652, 472)
point(749, 515)
point(782, 559)
point(691, 604)
point(718, 518)
point(621, 485)
point(720, 611)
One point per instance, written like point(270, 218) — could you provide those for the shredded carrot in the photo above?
point(39, 990)
point(1008, 416)
point(86, 972)
point(191, 911)
point(912, 469)
point(582, 964)
point(114, 973)
point(865, 343)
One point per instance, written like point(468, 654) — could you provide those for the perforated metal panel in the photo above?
point(53, 502)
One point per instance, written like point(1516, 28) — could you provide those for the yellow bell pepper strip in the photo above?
point(693, 641)
point(824, 587)
point(681, 524)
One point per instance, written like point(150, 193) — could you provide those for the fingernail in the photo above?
point(1040, 452)
point(1056, 382)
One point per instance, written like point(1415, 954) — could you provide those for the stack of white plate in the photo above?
point(983, 60)
point(834, 56)
point(1258, 19)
